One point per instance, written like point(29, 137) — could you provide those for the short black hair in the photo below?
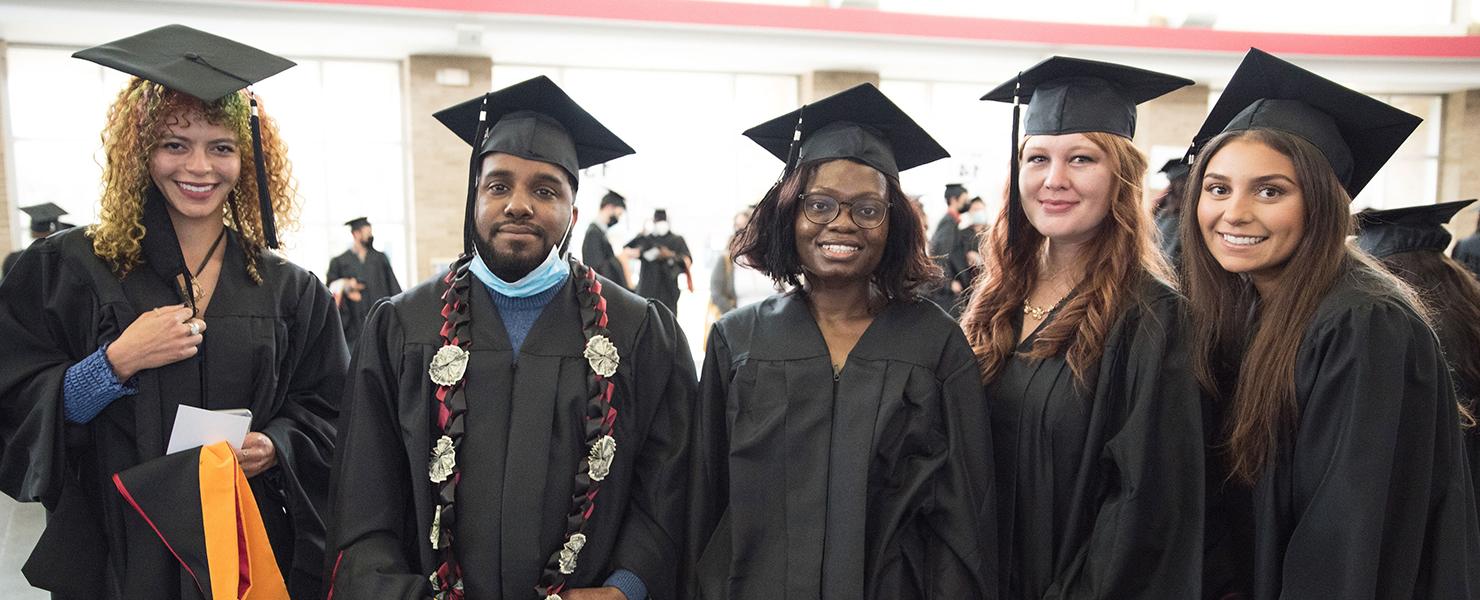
point(768, 242)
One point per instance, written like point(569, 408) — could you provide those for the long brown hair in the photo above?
point(1262, 354)
point(1121, 257)
point(137, 120)
point(1453, 297)
point(768, 242)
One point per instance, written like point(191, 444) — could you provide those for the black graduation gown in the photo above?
point(274, 348)
point(519, 454)
point(658, 279)
point(9, 263)
point(1368, 497)
point(875, 484)
point(596, 252)
point(1102, 491)
point(375, 274)
point(945, 248)
point(1168, 238)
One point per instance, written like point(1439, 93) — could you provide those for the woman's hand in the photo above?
point(157, 338)
point(601, 593)
point(256, 454)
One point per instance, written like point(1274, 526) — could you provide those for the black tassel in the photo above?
point(264, 197)
point(1016, 218)
point(794, 150)
point(470, 225)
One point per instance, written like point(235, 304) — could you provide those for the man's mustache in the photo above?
point(523, 227)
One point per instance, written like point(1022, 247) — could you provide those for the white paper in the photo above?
point(199, 427)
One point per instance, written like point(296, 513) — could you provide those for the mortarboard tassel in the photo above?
point(470, 226)
point(1016, 218)
point(264, 197)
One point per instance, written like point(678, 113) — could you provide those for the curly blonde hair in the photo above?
point(136, 122)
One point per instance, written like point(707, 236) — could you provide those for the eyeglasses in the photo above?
point(823, 209)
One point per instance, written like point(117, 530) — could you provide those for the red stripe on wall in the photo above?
point(874, 22)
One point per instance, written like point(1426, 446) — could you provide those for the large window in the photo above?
point(342, 121)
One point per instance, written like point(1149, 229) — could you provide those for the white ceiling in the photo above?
point(307, 30)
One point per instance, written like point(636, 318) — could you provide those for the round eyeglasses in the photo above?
point(823, 209)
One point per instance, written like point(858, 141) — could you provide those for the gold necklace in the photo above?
point(1038, 313)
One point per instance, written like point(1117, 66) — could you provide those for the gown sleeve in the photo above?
point(43, 307)
point(1146, 538)
point(651, 541)
point(1380, 501)
point(710, 477)
point(371, 496)
point(393, 285)
point(963, 517)
point(302, 431)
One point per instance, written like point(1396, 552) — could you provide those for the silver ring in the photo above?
point(194, 327)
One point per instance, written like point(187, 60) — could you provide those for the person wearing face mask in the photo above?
point(516, 427)
point(841, 443)
point(1339, 432)
point(173, 301)
point(360, 277)
point(946, 249)
point(978, 223)
point(1095, 415)
point(596, 248)
point(665, 256)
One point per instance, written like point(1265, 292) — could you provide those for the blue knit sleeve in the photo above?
point(629, 583)
point(90, 386)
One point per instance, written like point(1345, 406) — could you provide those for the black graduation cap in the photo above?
point(954, 189)
point(1356, 133)
point(537, 120)
point(205, 66)
point(1074, 95)
point(357, 223)
point(613, 199)
point(859, 123)
point(1383, 233)
point(1175, 168)
point(660, 215)
point(44, 217)
point(534, 120)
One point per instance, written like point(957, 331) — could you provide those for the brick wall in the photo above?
point(439, 159)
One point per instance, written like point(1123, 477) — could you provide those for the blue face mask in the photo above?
point(549, 274)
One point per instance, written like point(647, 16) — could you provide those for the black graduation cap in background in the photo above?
point(613, 199)
point(858, 123)
point(1175, 168)
point(357, 223)
point(202, 65)
point(44, 217)
point(534, 120)
point(1383, 233)
point(1072, 95)
point(1356, 133)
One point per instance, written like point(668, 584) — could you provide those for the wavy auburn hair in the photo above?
point(138, 119)
point(1122, 257)
point(768, 243)
point(1262, 353)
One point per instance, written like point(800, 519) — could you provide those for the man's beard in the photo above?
point(510, 266)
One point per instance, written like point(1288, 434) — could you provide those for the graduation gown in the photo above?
point(1101, 487)
point(658, 278)
point(596, 251)
point(950, 256)
point(9, 263)
point(274, 348)
point(519, 453)
point(375, 274)
point(1368, 497)
point(876, 483)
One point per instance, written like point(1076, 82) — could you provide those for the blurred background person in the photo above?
point(665, 257)
point(360, 277)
